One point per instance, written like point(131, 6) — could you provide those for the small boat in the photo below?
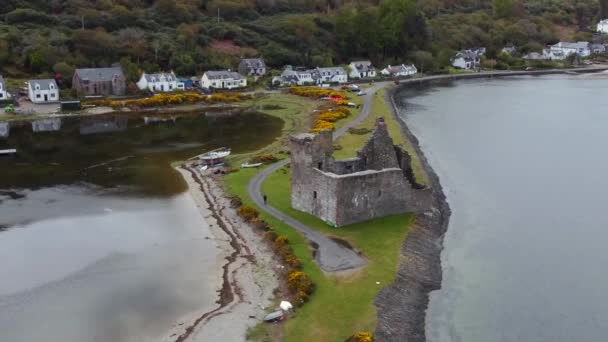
point(274, 316)
point(7, 152)
point(247, 165)
point(220, 153)
point(204, 168)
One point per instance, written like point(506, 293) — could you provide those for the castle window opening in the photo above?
point(320, 166)
point(314, 194)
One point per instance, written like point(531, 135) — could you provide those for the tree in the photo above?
point(66, 72)
point(423, 60)
point(603, 9)
point(504, 8)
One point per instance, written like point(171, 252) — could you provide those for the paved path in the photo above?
point(330, 255)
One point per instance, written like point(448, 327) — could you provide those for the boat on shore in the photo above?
point(249, 166)
point(8, 152)
point(213, 158)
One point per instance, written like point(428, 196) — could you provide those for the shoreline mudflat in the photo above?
point(246, 276)
point(402, 305)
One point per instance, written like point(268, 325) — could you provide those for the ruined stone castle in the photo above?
point(376, 183)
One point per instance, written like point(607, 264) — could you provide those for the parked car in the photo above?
point(361, 93)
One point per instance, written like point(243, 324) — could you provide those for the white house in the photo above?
point(467, 60)
point(562, 50)
point(331, 75)
point(42, 91)
point(161, 82)
point(399, 70)
point(4, 94)
point(224, 79)
point(293, 77)
point(602, 26)
point(362, 69)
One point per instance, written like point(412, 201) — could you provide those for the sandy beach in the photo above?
point(245, 273)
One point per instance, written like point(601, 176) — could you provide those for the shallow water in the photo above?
point(521, 161)
point(98, 242)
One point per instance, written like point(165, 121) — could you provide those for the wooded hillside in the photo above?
point(189, 36)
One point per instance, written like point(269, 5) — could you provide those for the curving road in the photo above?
point(331, 256)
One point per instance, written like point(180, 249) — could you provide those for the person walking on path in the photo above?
point(265, 199)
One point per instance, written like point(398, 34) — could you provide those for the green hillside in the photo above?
point(189, 36)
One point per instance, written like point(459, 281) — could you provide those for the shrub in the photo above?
point(248, 213)
point(173, 99)
point(265, 158)
point(363, 336)
point(316, 92)
point(300, 284)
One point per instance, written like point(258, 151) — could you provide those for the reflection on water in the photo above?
point(46, 125)
point(521, 161)
point(103, 125)
point(96, 242)
point(126, 151)
point(4, 129)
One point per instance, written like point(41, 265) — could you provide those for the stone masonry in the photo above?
point(341, 192)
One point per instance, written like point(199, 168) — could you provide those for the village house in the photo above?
point(399, 70)
point(293, 77)
point(4, 94)
point(535, 56)
point(562, 50)
point(99, 81)
point(252, 67)
point(466, 59)
point(160, 82)
point(42, 91)
point(362, 70)
point(602, 26)
point(331, 75)
point(224, 79)
point(597, 49)
point(509, 49)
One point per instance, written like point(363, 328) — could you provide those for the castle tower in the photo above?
point(308, 152)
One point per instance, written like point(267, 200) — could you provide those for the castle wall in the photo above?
point(346, 166)
point(371, 194)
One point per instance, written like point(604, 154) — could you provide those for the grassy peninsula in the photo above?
point(341, 304)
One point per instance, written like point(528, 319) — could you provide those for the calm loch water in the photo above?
point(98, 241)
point(522, 161)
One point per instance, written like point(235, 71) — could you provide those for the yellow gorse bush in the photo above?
point(363, 336)
point(173, 99)
point(325, 119)
point(316, 92)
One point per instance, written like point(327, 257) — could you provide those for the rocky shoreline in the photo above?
point(402, 305)
point(245, 268)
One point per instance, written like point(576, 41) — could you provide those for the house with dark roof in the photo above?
point(467, 60)
point(43, 91)
point(332, 75)
point(362, 69)
point(159, 82)
point(399, 70)
point(296, 77)
point(252, 67)
point(4, 95)
point(99, 81)
point(223, 79)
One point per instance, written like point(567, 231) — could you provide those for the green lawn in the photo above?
point(350, 143)
point(295, 112)
point(342, 304)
